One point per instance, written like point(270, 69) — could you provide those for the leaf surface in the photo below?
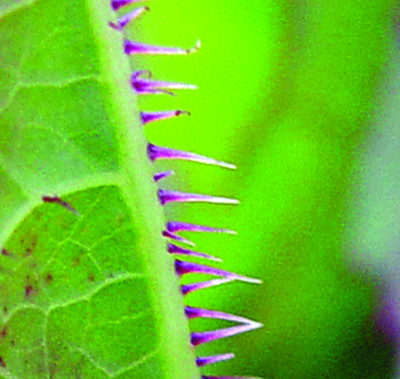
point(90, 293)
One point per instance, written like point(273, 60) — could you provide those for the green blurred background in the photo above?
point(302, 97)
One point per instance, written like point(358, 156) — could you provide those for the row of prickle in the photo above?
point(142, 83)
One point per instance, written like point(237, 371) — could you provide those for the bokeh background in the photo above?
point(303, 96)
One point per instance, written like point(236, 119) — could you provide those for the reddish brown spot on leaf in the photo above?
point(48, 278)
point(90, 278)
point(4, 332)
point(2, 363)
point(30, 246)
point(28, 290)
point(5, 252)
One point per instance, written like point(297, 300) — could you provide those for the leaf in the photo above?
point(90, 293)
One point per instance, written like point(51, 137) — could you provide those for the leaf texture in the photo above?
point(87, 293)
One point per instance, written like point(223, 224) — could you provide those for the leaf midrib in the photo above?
point(140, 195)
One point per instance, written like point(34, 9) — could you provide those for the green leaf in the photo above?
point(93, 294)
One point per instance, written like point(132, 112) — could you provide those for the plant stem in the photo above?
point(140, 195)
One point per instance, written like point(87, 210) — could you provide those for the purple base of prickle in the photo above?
point(177, 226)
point(192, 287)
point(172, 236)
point(192, 312)
point(173, 249)
point(125, 19)
point(133, 47)
point(166, 197)
point(204, 361)
point(183, 268)
point(158, 152)
point(117, 4)
point(145, 86)
point(204, 337)
point(148, 117)
point(161, 175)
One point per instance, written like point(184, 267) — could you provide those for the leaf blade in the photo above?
point(70, 131)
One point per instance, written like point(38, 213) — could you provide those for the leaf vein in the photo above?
point(137, 363)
